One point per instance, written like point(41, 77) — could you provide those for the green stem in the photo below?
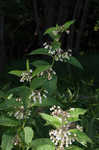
point(53, 62)
point(27, 65)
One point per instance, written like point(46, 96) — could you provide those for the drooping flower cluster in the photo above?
point(26, 76)
point(20, 112)
point(38, 95)
point(47, 74)
point(62, 137)
point(16, 140)
point(58, 53)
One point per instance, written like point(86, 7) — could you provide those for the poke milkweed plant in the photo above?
point(21, 106)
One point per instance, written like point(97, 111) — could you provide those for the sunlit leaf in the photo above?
point(81, 137)
point(28, 135)
point(7, 141)
point(42, 144)
point(16, 72)
point(52, 120)
point(75, 112)
point(68, 24)
point(6, 121)
point(73, 147)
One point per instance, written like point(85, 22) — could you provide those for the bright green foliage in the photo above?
point(42, 144)
point(54, 121)
point(81, 137)
point(28, 135)
point(74, 113)
point(9, 122)
point(7, 141)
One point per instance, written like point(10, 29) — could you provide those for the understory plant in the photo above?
point(33, 115)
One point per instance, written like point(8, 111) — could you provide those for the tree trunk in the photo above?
point(2, 48)
point(76, 17)
point(82, 25)
point(50, 13)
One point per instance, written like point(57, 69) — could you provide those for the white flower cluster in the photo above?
point(58, 112)
point(16, 140)
point(58, 53)
point(26, 76)
point(38, 95)
point(62, 137)
point(19, 112)
point(47, 74)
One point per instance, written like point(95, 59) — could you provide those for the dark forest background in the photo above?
point(23, 22)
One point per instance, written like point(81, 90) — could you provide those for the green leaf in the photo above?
point(16, 72)
point(22, 92)
point(68, 24)
point(40, 51)
point(75, 62)
point(50, 30)
point(42, 144)
point(2, 94)
point(75, 112)
point(51, 85)
point(81, 137)
point(38, 63)
point(28, 135)
point(37, 83)
point(6, 121)
point(49, 101)
point(52, 120)
point(41, 69)
point(53, 33)
point(9, 104)
point(73, 147)
point(7, 141)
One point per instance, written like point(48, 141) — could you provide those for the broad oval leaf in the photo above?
point(9, 104)
point(6, 121)
point(75, 62)
point(40, 51)
point(68, 24)
point(28, 135)
point(42, 144)
point(16, 72)
point(38, 63)
point(51, 85)
point(37, 83)
point(74, 113)
point(81, 137)
point(2, 94)
point(49, 101)
point(41, 69)
point(50, 30)
point(52, 120)
point(7, 141)
point(21, 91)
point(73, 147)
